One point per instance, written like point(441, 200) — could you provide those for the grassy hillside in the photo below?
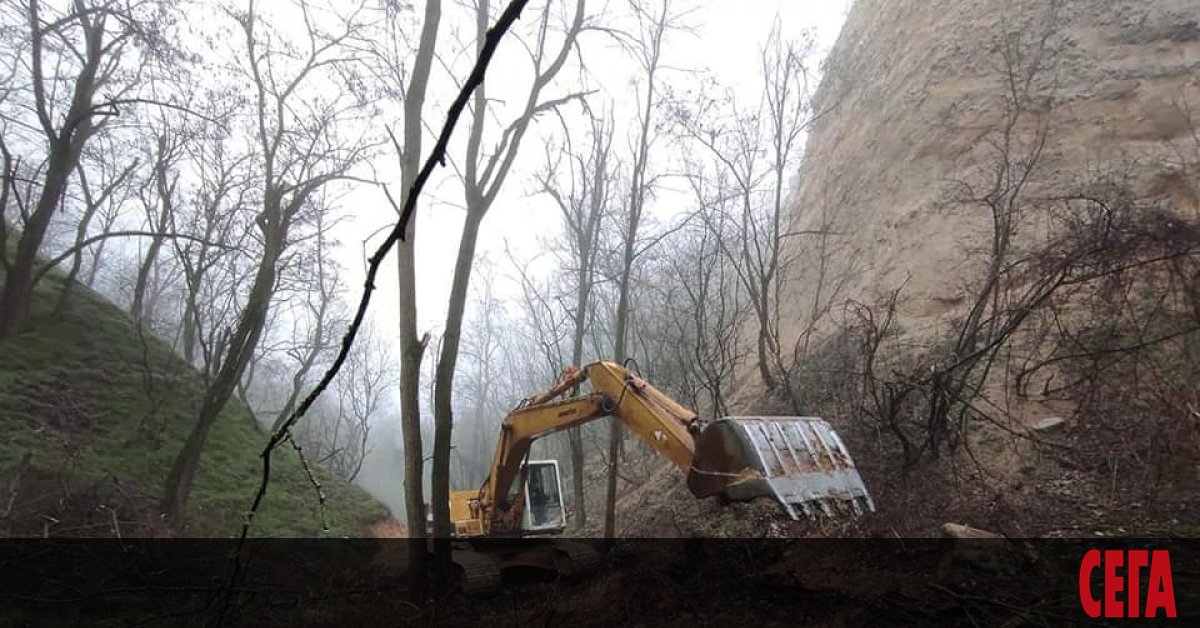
point(92, 413)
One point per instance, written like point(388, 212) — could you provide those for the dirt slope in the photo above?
point(912, 90)
point(912, 105)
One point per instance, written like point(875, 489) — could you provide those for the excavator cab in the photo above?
point(545, 512)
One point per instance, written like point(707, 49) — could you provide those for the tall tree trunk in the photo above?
point(443, 397)
point(138, 309)
point(651, 50)
point(412, 347)
point(582, 217)
point(194, 277)
point(575, 434)
point(66, 145)
point(412, 350)
point(637, 195)
point(480, 189)
point(94, 268)
point(764, 354)
point(614, 427)
point(189, 327)
point(443, 413)
point(17, 296)
point(241, 350)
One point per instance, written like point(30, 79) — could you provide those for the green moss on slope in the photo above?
point(92, 413)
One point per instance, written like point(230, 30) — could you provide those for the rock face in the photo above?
point(915, 98)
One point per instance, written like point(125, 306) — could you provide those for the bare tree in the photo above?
point(546, 323)
point(996, 311)
point(412, 347)
point(754, 181)
point(704, 303)
point(484, 390)
point(308, 347)
point(483, 178)
point(105, 196)
point(363, 390)
point(84, 64)
point(159, 203)
point(647, 49)
point(928, 402)
point(215, 210)
point(300, 151)
point(583, 204)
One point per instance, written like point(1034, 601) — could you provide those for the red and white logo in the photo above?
point(1137, 583)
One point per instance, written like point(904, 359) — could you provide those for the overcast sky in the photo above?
point(726, 39)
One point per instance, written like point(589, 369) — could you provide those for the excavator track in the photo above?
point(481, 566)
point(580, 558)
point(478, 572)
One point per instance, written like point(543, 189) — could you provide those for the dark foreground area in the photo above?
point(681, 582)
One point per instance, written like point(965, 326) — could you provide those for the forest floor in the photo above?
point(1010, 481)
point(684, 583)
point(1053, 500)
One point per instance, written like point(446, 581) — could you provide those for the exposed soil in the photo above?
point(912, 88)
point(1030, 489)
point(389, 528)
point(913, 93)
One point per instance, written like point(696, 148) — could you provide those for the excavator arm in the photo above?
point(653, 416)
point(798, 461)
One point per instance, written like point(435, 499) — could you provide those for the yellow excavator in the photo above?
point(799, 462)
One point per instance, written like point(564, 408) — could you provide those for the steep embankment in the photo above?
point(92, 413)
point(928, 109)
point(916, 93)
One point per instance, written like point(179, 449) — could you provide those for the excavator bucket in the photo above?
point(799, 462)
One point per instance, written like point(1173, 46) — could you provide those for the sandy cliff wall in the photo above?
point(915, 93)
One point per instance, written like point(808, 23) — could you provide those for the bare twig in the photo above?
point(119, 234)
point(312, 480)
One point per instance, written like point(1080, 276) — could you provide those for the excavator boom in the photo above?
point(800, 462)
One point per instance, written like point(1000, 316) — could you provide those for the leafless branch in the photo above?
point(510, 15)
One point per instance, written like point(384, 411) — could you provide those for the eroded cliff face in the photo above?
point(928, 110)
point(916, 98)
